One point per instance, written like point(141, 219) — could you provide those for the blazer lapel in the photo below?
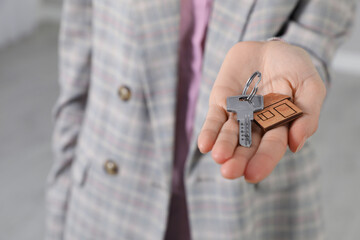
point(226, 27)
point(159, 37)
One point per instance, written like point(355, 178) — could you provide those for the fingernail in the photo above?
point(301, 145)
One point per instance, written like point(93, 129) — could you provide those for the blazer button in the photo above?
point(124, 93)
point(111, 167)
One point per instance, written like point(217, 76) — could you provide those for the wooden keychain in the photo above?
point(278, 110)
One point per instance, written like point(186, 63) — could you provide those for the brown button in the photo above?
point(124, 93)
point(111, 167)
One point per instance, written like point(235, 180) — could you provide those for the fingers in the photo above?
point(309, 98)
point(301, 130)
point(258, 161)
point(226, 141)
point(235, 166)
point(271, 149)
point(215, 119)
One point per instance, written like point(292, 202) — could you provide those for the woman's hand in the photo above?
point(285, 69)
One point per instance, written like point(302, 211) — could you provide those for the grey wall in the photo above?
point(52, 2)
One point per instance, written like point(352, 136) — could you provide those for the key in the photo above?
point(244, 110)
point(278, 110)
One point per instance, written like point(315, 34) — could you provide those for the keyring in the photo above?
point(248, 83)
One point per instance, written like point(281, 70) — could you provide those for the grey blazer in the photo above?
point(114, 131)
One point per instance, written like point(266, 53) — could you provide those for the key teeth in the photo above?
point(245, 132)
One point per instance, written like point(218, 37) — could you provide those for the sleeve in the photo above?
point(320, 27)
point(74, 67)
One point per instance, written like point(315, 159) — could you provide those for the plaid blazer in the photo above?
point(106, 44)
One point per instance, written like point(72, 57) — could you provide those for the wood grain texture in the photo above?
point(278, 110)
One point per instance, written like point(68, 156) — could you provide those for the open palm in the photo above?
point(285, 69)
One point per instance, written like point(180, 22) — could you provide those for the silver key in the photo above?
point(244, 110)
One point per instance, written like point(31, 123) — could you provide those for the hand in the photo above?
point(285, 69)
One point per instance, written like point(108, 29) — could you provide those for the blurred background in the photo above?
point(28, 90)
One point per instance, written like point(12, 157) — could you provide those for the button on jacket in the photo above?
point(111, 167)
point(124, 93)
point(107, 44)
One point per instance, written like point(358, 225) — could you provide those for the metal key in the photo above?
point(244, 106)
point(244, 109)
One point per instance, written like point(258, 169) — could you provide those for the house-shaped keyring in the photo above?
point(278, 110)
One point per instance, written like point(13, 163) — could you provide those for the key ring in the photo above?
point(247, 85)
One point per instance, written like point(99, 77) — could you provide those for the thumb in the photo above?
point(309, 97)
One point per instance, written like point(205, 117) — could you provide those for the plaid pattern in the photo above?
point(105, 44)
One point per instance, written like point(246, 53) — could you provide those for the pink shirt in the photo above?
point(194, 20)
